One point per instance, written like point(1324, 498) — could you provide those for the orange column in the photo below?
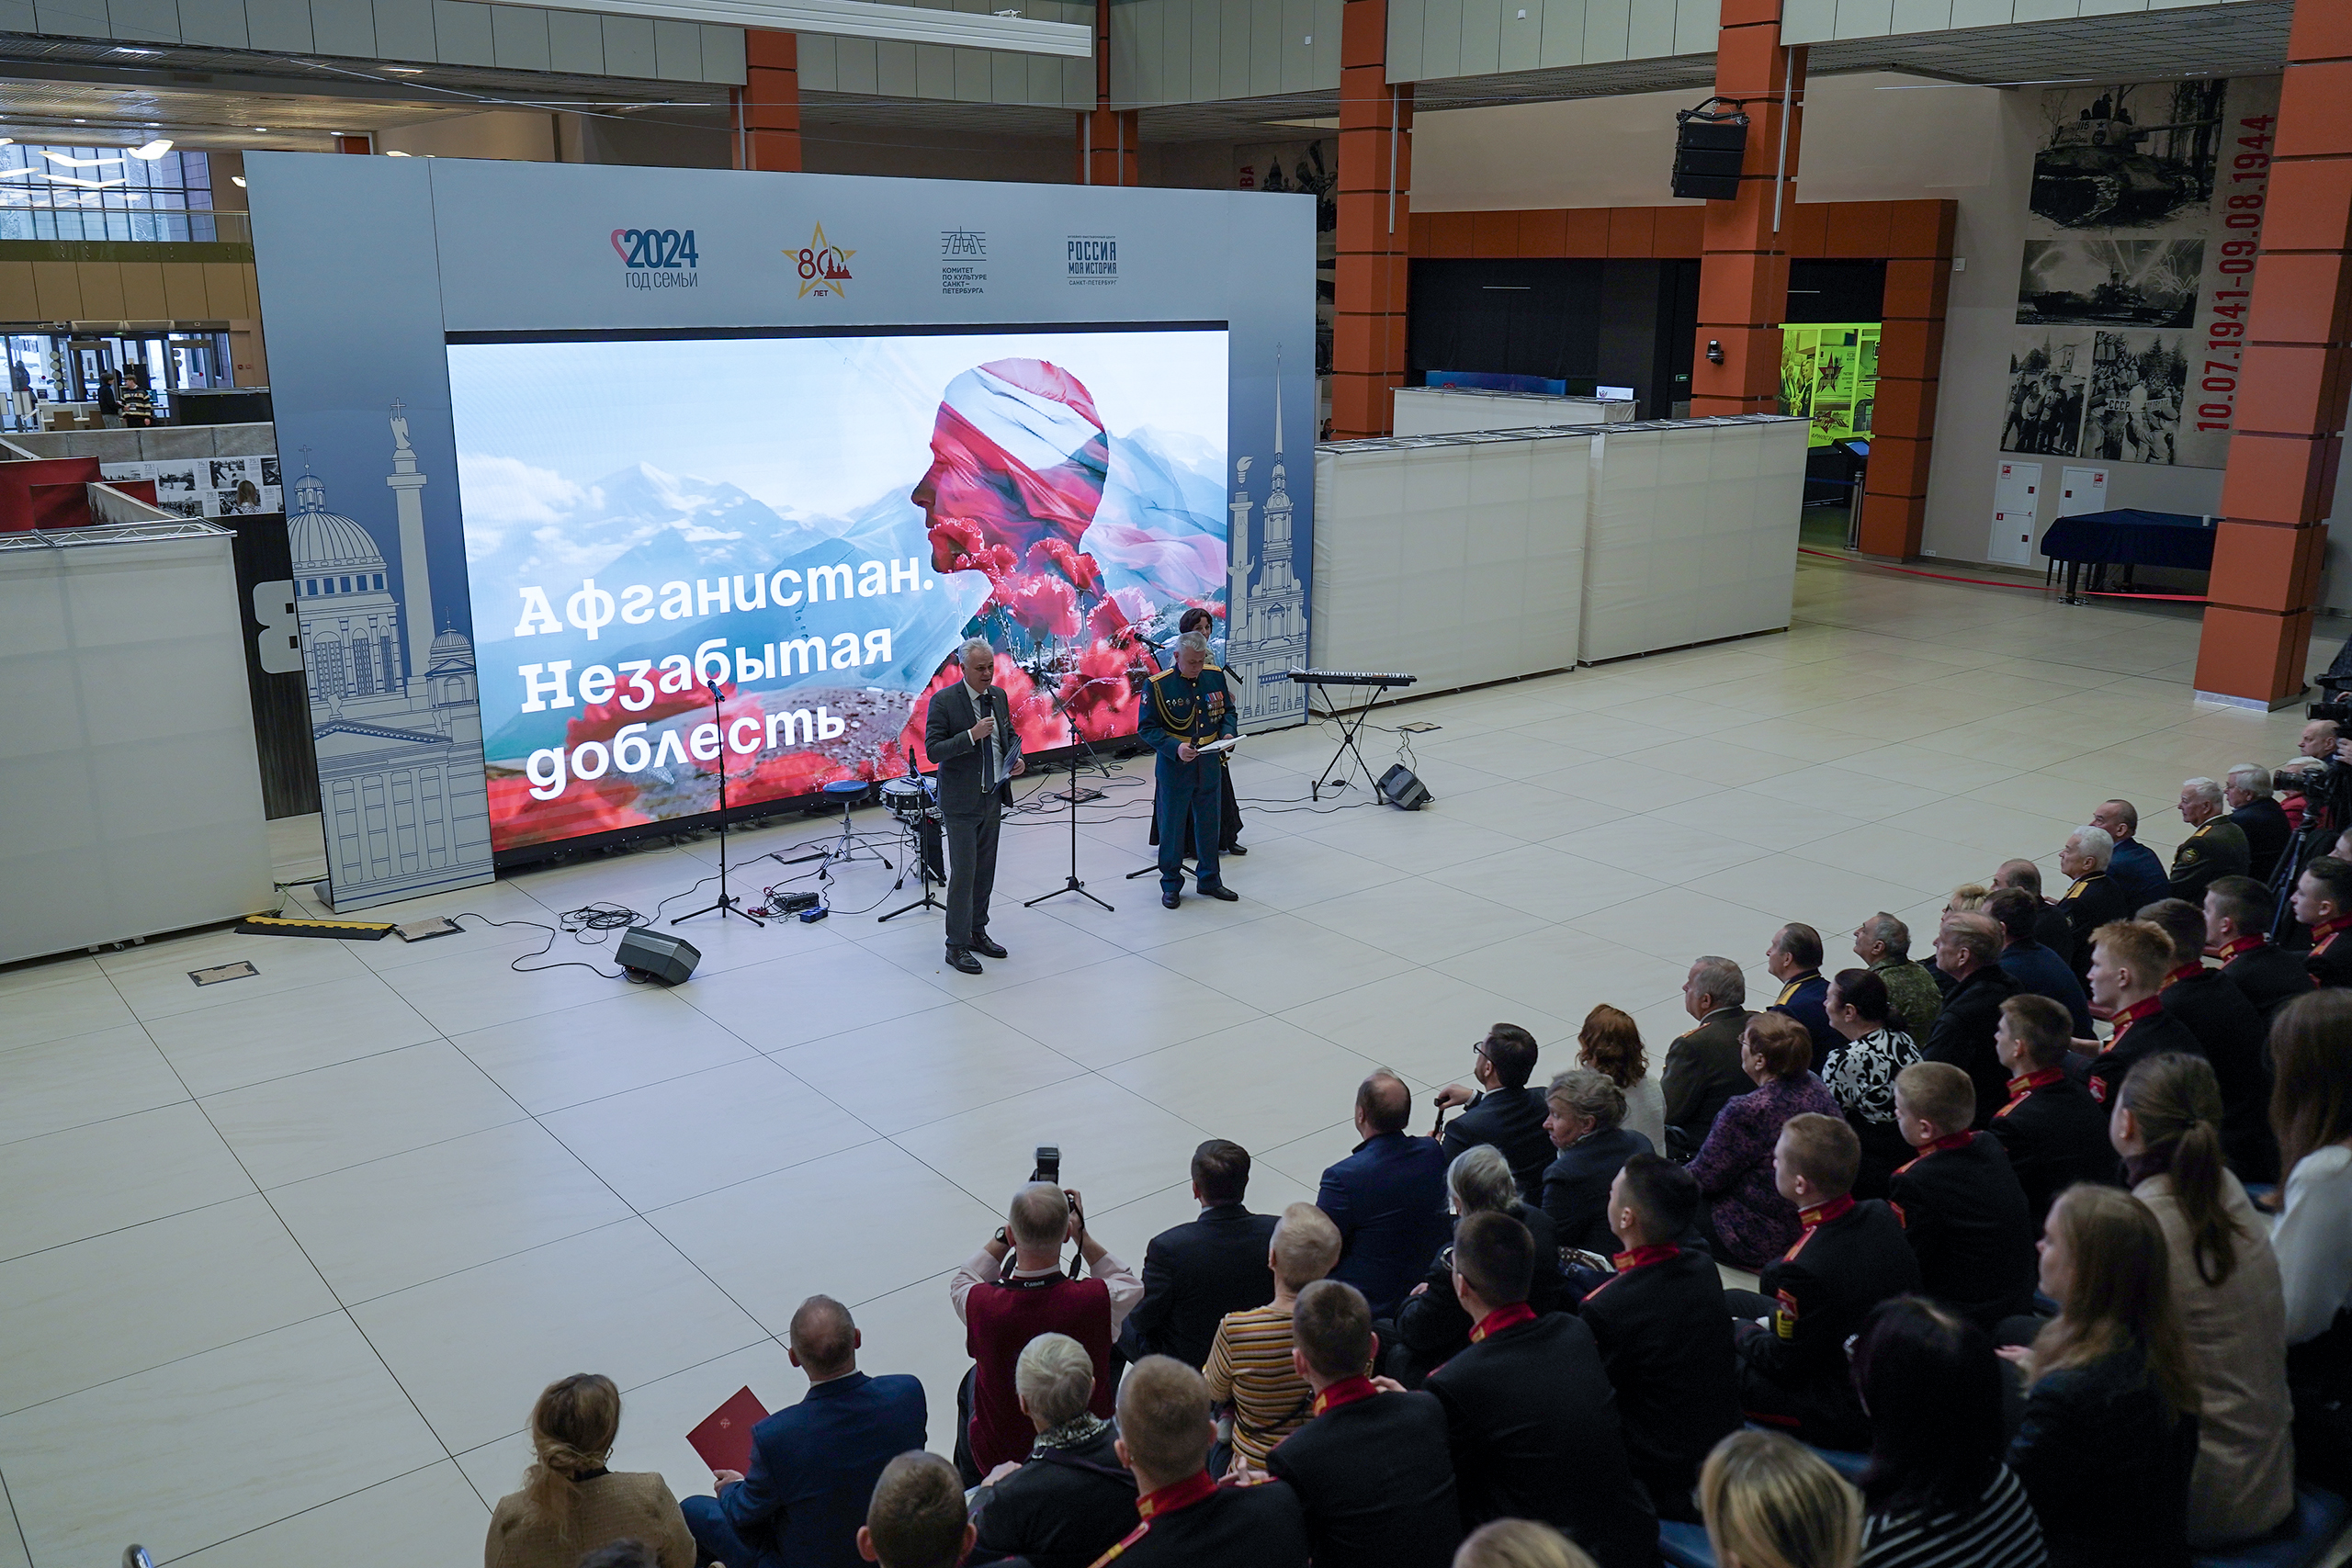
point(2280, 485)
point(1375, 227)
point(1107, 137)
point(767, 105)
point(355, 144)
point(1744, 272)
point(1911, 354)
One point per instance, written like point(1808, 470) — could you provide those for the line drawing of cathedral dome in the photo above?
point(452, 654)
point(324, 541)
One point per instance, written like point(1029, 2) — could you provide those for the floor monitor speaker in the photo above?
point(668, 959)
point(1400, 788)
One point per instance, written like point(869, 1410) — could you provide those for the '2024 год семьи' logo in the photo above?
point(656, 258)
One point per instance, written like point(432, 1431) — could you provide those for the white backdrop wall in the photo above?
point(134, 794)
point(1447, 411)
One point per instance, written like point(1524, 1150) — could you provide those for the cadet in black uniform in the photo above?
point(1184, 708)
point(1189, 1520)
point(1851, 1257)
point(2237, 924)
point(2323, 902)
point(2130, 961)
point(2231, 1029)
point(1961, 1208)
point(2054, 1132)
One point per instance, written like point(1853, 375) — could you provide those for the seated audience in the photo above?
point(1583, 1121)
point(1248, 1365)
point(2324, 901)
point(2226, 1292)
point(1851, 1257)
point(1431, 1327)
point(2038, 971)
point(1937, 1494)
point(2053, 1132)
point(1372, 1469)
point(1962, 1208)
point(2050, 926)
point(2311, 1111)
point(2129, 962)
point(916, 1518)
point(2133, 865)
point(1745, 1220)
point(1793, 958)
point(1387, 1196)
point(2109, 1432)
point(1862, 1075)
point(2093, 898)
point(2237, 930)
point(1664, 1334)
point(1883, 944)
point(814, 1463)
point(570, 1503)
point(1188, 1519)
point(1004, 1308)
point(2246, 791)
point(1071, 1500)
point(1610, 1043)
point(1531, 1419)
point(1770, 1502)
point(1968, 949)
point(1519, 1543)
point(2230, 1029)
point(1505, 1111)
point(2216, 845)
point(1196, 1272)
point(1703, 1068)
point(1967, 899)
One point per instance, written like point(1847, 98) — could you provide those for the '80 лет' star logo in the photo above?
point(824, 267)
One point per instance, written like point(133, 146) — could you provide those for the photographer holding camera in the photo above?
point(1011, 1291)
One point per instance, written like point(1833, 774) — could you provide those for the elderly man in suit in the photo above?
point(1702, 1069)
point(2133, 864)
point(1968, 949)
point(1387, 1196)
point(2253, 806)
point(814, 1464)
point(969, 734)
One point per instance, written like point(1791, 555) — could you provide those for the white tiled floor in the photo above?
point(284, 1260)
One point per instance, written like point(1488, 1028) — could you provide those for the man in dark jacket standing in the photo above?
point(1372, 1469)
point(1532, 1418)
point(1505, 1112)
point(1387, 1196)
point(1968, 949)
point(1702, 1069)
point(2246, 791)
point(1196, 1272)
point(1664, 1334)
point(967, 734)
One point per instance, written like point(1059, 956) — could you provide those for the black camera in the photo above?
point(1049, 1165)
point(2341, 713)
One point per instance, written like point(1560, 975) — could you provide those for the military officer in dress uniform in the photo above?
point(1183, 709)
point(2216, 846)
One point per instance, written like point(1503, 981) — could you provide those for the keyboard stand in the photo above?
point(1349, 731)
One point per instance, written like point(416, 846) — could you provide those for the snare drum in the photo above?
point(910, 799)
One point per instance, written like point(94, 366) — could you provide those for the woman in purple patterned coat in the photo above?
point(1746, 1220)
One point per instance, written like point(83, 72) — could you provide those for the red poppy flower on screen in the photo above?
point(1046, 605)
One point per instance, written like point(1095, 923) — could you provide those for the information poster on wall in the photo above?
point(208, 487)
point(2146, 213)
point(1829, 376)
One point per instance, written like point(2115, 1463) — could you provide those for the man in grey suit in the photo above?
point(969, 734)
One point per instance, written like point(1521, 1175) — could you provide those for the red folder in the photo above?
point(724, 1439)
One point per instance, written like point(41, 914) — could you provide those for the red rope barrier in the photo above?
point(1995, 582)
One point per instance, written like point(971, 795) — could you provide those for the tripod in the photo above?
point(914, 827)
point(728, 904)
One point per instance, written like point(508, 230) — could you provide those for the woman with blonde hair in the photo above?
point(1519, 1543)
point(1770, 1502)
point(1967, 899)
point(571, 1504)
point(1610, 1043)
point(2167, 1126)
point(2109, 1432)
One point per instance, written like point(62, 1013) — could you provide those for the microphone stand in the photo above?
point(728, 904)
point(1071, 883)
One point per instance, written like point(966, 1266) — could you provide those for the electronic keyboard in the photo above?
point(1349, 678)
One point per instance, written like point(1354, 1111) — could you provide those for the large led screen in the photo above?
point(815, 523)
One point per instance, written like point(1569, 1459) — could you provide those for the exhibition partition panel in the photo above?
point(1447, 411)
point(135, 795)
point(601, 438)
